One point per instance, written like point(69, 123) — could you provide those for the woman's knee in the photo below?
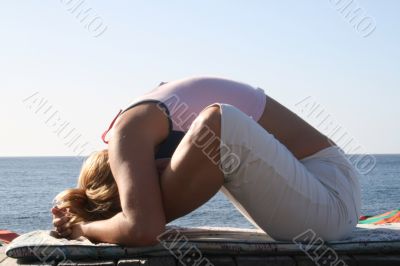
point(204, 133)
point(210, 117)
point(207, 126)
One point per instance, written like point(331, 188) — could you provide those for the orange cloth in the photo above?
point(7, 236)
point(387, 217)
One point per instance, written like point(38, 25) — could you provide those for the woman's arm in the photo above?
point(131, 155)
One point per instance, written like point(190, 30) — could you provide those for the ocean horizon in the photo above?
point(29, 184)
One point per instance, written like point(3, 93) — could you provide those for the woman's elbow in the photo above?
point(144, 236)
point(150, 237)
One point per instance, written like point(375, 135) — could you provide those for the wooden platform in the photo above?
point(231, 260)
point(195, 246)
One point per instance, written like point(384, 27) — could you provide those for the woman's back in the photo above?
point(185, 98)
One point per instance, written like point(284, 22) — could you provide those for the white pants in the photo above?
point(280, 194)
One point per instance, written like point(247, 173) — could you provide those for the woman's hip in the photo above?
point(280, 193)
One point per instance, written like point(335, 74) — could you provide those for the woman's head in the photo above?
point(96, 196)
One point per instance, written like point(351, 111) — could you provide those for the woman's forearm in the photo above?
point(117, 230)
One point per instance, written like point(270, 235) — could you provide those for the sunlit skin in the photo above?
point(155, 192)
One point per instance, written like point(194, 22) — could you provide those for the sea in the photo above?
point(29, 184)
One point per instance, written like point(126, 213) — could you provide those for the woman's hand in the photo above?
point(62, 225)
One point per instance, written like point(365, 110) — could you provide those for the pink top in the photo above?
point(186, 98)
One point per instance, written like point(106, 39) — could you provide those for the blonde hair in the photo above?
point(96, 197)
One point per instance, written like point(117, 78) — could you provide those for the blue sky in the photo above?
point(291, 49)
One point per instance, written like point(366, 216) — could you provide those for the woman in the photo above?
point(281, 173)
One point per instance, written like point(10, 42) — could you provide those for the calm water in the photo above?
point(28, 186)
